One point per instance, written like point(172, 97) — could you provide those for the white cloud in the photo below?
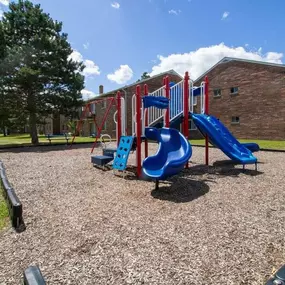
point(225, 15)
point(90, 67)
point(86, 45)
point(4, 2)
point(121, 75)
point(115, 5)
point(87, 94)
point(174, 12)
point(199, 61)
point(76, 56)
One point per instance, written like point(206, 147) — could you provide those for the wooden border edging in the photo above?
point(14, 205)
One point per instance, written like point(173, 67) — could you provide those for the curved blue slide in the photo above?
point(221, 137)
point(173, 153)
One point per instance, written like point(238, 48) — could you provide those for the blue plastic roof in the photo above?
point(155, 101)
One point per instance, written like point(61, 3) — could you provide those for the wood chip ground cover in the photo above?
point(209, 225)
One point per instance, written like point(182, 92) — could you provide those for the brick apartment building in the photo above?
point(248, 97)
point(154, 83)
point(52, 124)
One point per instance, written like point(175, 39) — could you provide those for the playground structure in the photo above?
point(163, 116)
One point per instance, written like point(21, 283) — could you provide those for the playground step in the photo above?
point(109, 151)
point(101, 159)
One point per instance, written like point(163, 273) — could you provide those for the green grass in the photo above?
point(4, 214)
point(26, 140)
point(277, 145)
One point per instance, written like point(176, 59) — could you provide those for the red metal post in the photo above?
point(167, 95)
point(139, 129)
point(146, 123)
point(119, 117)
point(207, 113)
point(186, 106)
point(186, 109)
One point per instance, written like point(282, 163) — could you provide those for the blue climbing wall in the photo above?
point(123, 152)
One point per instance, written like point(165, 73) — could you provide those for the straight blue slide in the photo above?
point(173, 153)
point(222, 138)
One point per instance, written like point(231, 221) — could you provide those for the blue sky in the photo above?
point(133, 36)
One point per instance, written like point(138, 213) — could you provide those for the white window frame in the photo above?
point(234, 121)
point(93, 108)
point(236, 90)
point(218, 95)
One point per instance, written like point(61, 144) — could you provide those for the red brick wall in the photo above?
point(260, 102)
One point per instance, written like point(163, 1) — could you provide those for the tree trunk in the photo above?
point(3, 129)
point(33, 129)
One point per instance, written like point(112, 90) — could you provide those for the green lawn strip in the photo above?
point(4, 214)
point(25, 140)
point(16, 140)
point(265, 144)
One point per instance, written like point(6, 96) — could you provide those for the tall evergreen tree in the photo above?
point(38, 77)
point(145, 75)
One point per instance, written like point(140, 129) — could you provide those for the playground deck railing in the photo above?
point(176, 100)
point(155, 114)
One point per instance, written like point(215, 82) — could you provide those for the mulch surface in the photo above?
point(208, 225)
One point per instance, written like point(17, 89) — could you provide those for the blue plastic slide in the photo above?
point(173, 153)
point(221, 137)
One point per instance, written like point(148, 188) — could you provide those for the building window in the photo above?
point(234, 90)
point(235, 120)
point(104, 104)
point(192, 126)
point(217, 93)
point(92, 108)
point(105, 126)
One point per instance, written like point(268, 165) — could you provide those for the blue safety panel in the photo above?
point(155, 101)
point(176, 101)
point(123, 152)
point(197, 91)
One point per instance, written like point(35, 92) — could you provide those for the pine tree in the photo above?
point(38, 77)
